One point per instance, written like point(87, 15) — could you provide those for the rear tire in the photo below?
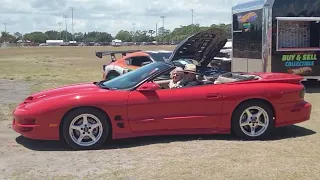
point(253, 120)
point(86, 128)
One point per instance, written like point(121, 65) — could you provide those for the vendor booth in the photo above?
point(277, 36)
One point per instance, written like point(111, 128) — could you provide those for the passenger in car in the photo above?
point(177, 76)
point(190, 76)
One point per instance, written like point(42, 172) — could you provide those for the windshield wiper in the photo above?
point(99, 83)
point(103, 87)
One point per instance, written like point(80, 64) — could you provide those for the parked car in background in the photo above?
point(224, 57)
point(199, 49)
point(134, 59)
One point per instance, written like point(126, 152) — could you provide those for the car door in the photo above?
point(197, 107)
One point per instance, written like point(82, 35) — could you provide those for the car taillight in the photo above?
point(302, 92)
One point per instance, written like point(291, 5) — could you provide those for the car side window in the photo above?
point(128, 61)
point(164, 76)
point(139, 60)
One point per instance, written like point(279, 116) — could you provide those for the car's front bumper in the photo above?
point(32, 126)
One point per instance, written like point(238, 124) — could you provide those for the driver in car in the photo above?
point(190, 78)
point(177, 76)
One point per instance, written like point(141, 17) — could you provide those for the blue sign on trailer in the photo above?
point(277, 36)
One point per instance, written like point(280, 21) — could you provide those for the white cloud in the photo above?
point(111, 15)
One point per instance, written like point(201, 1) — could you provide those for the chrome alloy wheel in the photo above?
point(85, 130)
point(254, 121)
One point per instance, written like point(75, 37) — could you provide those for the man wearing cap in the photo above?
point(189, 78)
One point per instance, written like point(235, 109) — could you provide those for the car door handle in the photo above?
point(213, 95)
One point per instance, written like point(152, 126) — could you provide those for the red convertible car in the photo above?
point(86, 115)
point(139, 103)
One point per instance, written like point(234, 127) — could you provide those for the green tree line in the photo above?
point(162, 34)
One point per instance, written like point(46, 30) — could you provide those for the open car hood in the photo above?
point(201, 47)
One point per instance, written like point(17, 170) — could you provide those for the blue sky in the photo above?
point(111, 15)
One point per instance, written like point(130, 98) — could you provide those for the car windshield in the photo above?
point(133, 78)
point(161, 56)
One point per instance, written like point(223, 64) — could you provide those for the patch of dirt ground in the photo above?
point(293, 153)
point(11, 93)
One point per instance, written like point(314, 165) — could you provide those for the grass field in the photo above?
point(293, 153)
point(52, 66)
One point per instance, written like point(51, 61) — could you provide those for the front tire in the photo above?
point(85, 128)
point(253, 120)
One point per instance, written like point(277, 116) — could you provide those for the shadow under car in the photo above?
point(281, 133)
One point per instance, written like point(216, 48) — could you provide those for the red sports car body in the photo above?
point(137, 104)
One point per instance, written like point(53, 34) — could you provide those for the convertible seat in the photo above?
point(222, 80)
point(232, 77)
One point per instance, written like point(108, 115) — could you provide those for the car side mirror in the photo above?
point(149, 86)
point(145, 63)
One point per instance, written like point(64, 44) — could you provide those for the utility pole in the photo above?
point(192, 25)
point(5, 31)
point(162, 21)
point(192, 10)
point(134, 31)
point(65, 20)
point(156, 30)
point(60, 24)
point(5, 27)
point(163, 28)
point(72, 9)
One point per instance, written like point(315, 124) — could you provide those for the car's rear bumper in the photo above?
point(293, 113)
